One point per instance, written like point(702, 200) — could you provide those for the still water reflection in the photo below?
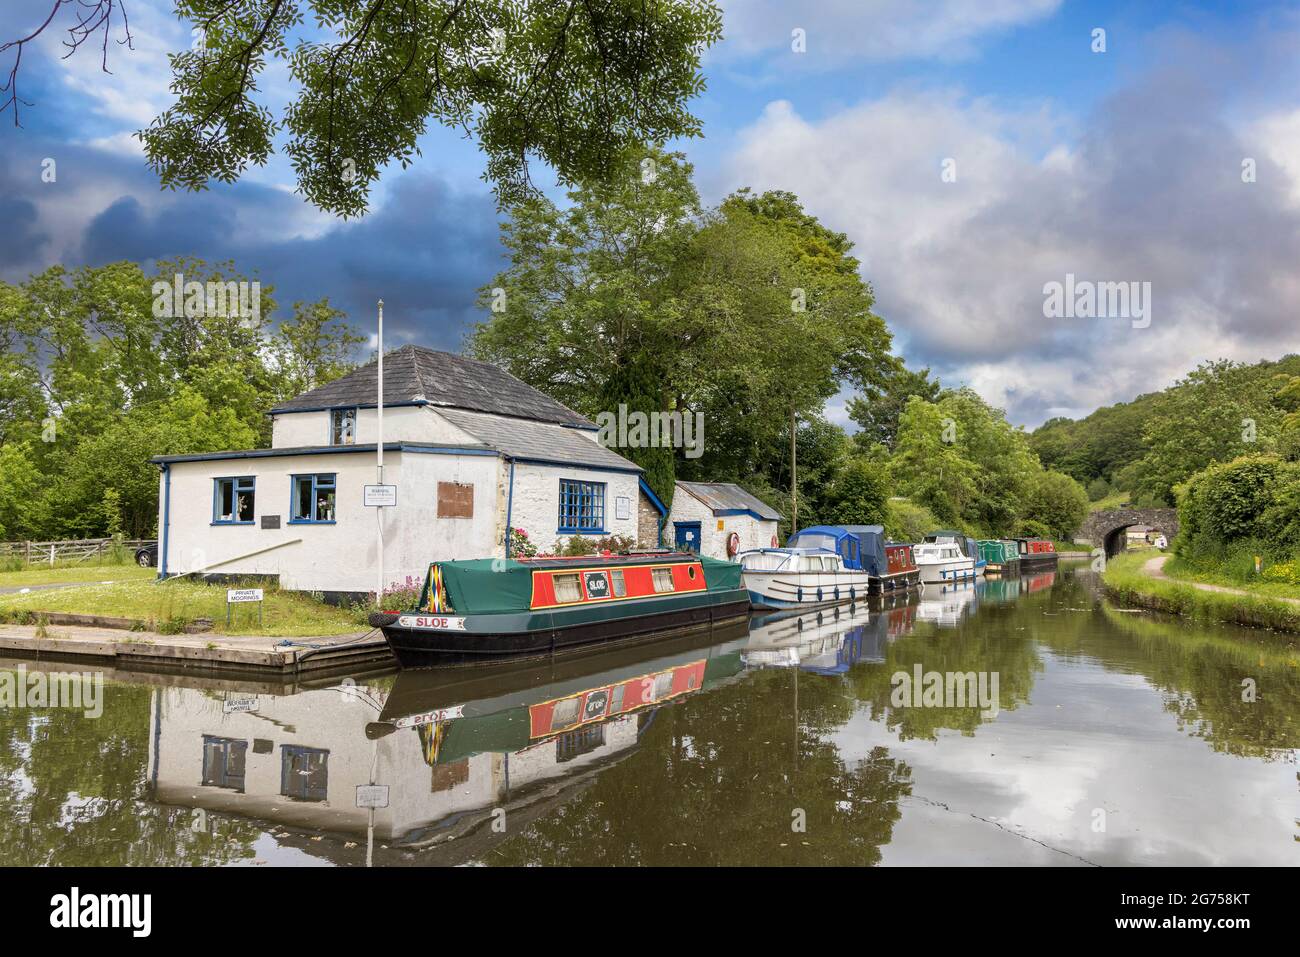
point(1117, 738)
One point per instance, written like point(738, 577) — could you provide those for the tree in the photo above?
point(859, 495)
point(877, 412)
point(744, 315)
point(572, 82)
point(1056, 501)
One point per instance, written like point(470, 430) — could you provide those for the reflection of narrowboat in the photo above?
point(1036, 553)
point(473, 612)
point(1037, 582)
point(1000, 556)
point(827, 564)
point(518, 707)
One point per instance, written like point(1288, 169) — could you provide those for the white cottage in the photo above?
point(705, 516)
point(472, 450)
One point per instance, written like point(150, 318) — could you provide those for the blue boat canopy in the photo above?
point(861, 546)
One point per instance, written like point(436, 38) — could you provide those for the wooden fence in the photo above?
point(73, 551)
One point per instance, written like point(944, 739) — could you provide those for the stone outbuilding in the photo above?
point(720, 519)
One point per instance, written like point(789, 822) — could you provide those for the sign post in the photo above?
point(242, 596)
point(379, 461)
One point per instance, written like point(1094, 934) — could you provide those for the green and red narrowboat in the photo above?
point(485, 610)
point(1036, 553)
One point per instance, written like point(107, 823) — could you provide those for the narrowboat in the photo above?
point(1001, 557)
point(969, 547)
point(485, 610)
point(943, 563)
point(1036, 553)
point(825, 565)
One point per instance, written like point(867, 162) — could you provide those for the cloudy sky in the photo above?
point(973, 152)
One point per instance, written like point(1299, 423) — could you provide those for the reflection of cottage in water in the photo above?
point(452, 750)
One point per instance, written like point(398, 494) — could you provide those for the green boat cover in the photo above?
point(997, 552)
point(489, 586)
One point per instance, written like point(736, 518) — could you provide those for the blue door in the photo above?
point(687, 536)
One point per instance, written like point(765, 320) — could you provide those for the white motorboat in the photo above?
point(800, 578)
point(943, 563)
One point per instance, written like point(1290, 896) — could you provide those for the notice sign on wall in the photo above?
point(379, 496)
point(372, 795)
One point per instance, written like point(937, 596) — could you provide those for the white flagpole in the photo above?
point(379, 461)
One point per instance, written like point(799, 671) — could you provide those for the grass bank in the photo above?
point(45, 575)
point(167, 607)
point(1124, 580)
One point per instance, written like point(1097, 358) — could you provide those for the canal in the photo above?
point(1087, 735)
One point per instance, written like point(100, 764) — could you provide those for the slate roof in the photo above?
point(522, 439)
point(441, 379)
point(720, 496)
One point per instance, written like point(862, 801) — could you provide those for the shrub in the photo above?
point(908, 522)
point(521, 546)
point(1032, 529)
point(858, 496)
point(578, 545)
point(1098, 489)
point(1056, 502)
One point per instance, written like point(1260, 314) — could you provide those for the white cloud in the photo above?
point(1148, 190)
point(838, 31)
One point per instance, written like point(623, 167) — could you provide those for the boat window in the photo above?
point(567, 588)
point(620, 586)
point(616, 699)
point(765, 561)
point(564, 713)
point(813, 540)
point(663, 579)
point(663, 684)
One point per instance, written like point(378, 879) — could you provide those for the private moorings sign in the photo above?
point(235, 596)
point(431, 622)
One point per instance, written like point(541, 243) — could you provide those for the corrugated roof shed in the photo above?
point(724, 496)
point(442, 379)
point(543, 441)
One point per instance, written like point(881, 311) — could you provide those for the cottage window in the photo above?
point(343, 426)
point(304, 772)
point(663, 579)
point(223, 762)
point(574, 744)
point(567, 588)
point(232, 500)
point(582, 506)
point(313, 499)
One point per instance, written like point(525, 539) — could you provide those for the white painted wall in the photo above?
point(536, 505)
point(290, 430)
point(342, 556)
point(753, 532)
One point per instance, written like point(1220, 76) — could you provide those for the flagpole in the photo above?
point(379, 461)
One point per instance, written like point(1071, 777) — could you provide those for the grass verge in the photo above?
point(44, 575)
point(1124, 580)
point(168, 607)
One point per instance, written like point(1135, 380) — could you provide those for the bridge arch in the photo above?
point(1103, 527)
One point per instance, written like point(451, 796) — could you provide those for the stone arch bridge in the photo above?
point(1105, 526)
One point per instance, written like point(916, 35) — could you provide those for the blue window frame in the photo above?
point(313, 499)
point(233, 500)
point(582, 506)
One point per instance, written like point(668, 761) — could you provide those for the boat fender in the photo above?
point(774, 541)
point(733, 543)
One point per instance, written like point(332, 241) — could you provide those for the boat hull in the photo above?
point(487, 639)
point(776, 590)
point(1039, 561)
point(947, 572)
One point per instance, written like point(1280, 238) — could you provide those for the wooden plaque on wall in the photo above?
point(455, 500)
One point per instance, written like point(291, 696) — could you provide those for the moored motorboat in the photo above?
point(1036, 553)
point(943, 563)
point(969, 546)
point(483, 610)
point(827, 564)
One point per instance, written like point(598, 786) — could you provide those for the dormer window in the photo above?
point(343, 426)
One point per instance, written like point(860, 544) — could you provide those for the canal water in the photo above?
point(1047, 727)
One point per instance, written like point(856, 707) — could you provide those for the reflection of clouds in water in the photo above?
point(1089, 739)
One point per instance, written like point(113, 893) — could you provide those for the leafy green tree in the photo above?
point(571, 82)
point(858, 496)
point(877, 413)
point(1057, 501)
point(928, 465)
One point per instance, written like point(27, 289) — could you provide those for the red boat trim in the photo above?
point(638, 583)
point(638, 693)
